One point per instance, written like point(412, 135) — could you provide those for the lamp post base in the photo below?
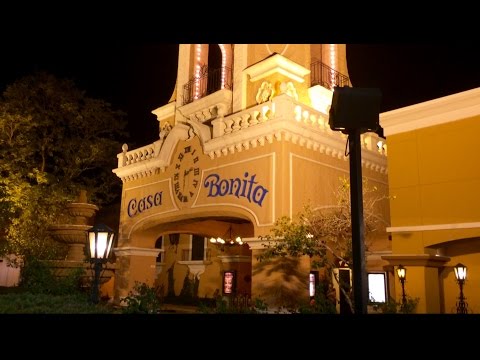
point(96, 282)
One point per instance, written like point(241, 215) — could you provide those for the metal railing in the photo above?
point(324, 75)
point(241, 301)
point(207, 82)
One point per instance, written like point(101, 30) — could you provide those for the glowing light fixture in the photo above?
point(380, 145)
point(229, 240)
point(99, 245)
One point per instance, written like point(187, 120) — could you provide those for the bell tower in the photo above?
point(297, 69)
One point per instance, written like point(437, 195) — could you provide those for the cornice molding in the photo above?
point(136, 251)
point(430, 113)
point(235, 258)
point(276, 64)
point(256, 243)
point(416, 260)
point(165, 111)
point(326, 142)
point(415, 228)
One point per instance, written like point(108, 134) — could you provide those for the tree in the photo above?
point(325, 233)
point(54, 141)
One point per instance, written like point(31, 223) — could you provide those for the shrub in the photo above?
point(29, 303)
point(394, 307)
point(38, 277)
point(322, 303)
point(142, 300)
point(224, 305)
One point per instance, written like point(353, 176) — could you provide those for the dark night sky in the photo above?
point(138, 77)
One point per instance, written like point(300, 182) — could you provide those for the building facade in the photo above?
point(434, 182)
point(243, 141)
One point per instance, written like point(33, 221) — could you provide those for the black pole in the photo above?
point(462, 305)
point(360, 286)
point(404, 296)
point(96, 282)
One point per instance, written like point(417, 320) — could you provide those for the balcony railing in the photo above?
point(324, 75)
point(206, 83)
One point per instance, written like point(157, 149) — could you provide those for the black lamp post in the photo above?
point(461, 275)
point(355, 111)
point(402, 276)
point(99, 245)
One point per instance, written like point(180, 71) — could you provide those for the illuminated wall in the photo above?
point(432, 152)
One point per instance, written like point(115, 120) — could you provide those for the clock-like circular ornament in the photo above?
point(186, 176)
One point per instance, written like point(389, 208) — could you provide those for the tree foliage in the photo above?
point(325, 233)
point(54, 141)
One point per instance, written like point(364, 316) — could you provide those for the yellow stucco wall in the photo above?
point(434, 180)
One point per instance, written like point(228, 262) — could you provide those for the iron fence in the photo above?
point(324, 75)
point(207, 82)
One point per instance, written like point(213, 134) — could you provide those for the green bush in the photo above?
point(322, 303)
point(29, 303)
point(223, 305)
point(37, 277)
point(142, 300)
point(394, 307)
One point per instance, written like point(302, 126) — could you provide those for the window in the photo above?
point(198, 248)
point(377, 287)
point(159, 245)
point(312, 283)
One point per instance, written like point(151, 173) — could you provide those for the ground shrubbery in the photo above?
point(41, 292)
point(30, 303)
point(143, 299)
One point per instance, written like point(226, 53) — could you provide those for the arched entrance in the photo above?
point(191, 268)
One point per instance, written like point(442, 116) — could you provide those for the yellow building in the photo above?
point(243, 140)
point(434, 180)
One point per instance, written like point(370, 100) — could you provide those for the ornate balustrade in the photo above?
point(280, 118)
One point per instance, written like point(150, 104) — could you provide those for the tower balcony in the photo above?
point(207, 82)
point(323, 75)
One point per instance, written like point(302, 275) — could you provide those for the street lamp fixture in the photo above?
point(402, 276)
point(99, 246)
point(461, 276)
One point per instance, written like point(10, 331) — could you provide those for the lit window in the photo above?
point(312, 282)
point(377, 289)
